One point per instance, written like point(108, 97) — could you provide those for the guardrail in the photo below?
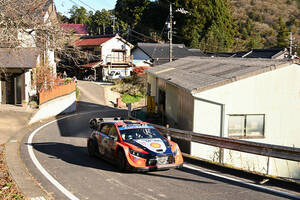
point(276, 151)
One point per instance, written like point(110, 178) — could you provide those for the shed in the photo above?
point(241, 98)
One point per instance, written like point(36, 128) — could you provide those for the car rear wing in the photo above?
point(95, 122)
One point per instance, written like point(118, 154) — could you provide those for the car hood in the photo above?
point(153, 145)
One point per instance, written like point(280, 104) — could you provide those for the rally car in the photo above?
point(132, 145)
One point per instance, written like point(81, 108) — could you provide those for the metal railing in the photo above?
point(276, 151)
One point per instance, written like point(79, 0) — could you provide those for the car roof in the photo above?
point(122, 122)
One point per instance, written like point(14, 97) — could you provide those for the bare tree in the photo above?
point(34, 23)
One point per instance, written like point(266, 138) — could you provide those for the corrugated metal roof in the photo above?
point(196, 74)
point(25, 58)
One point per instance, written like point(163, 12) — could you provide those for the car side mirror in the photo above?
point(167, 136)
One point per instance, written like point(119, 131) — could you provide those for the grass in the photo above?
point(127, 98)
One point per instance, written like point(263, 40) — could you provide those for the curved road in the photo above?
point(60, 148)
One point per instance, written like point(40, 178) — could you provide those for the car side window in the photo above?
point(113, 133)
point(103, 128)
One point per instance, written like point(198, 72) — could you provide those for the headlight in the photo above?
point(137, 154)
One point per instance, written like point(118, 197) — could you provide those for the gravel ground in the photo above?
point(8, 188)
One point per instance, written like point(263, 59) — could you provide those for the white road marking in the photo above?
point(40, 167)
point(72, 197)
point(243, 182)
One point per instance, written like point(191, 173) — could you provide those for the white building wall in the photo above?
point(51, 60)
point(26, 38)
point(207, 120)
point(275, 94)
point(139, 58)
point(29, 91)
point(113, 43)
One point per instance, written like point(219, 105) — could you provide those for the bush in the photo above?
point(132, 88)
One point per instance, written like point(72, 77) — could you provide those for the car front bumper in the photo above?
point(155, 168)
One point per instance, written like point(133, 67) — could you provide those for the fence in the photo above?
point(60, 88)
point(282, 152)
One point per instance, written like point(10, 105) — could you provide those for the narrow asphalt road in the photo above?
point(60, 148)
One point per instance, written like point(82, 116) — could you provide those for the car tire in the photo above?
point(122, 162)
point(91, 148)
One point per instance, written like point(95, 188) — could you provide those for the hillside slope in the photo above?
point(259, 21)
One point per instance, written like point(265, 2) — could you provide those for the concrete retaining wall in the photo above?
point(61, 105)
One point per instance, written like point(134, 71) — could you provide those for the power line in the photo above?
point(87, 5)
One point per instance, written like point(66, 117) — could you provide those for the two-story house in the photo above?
point(22, 52)
point(108, 53)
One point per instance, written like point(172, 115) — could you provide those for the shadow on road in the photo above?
point(77, 155)
point(78, 126)
point(72, 154)
point(66, 152)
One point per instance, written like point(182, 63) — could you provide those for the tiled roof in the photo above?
point(25, 58)
point(196, 74)
point(92, 41)
point(265, 53)
point(254, 53)
point(160, 52)
point(76, 28)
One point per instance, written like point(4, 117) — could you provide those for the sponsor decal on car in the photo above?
point(155, 145)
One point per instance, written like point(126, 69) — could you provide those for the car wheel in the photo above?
point(122, 162)
point(91, 148)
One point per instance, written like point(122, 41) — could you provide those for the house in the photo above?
point(149, 54)
point(78, 30)
point(109, 52)
point(75, 31)
point(275, 53)
point(19, 56)
point(242, 98)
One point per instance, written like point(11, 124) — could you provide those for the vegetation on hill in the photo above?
point(211, 25)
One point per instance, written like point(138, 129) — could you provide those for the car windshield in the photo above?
point(139, 133)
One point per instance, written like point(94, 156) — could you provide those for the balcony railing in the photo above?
point(119, 59)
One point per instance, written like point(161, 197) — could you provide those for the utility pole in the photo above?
point(291, 44)
point(114, 21)
point(170, 35)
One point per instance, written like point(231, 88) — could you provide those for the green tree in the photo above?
point(62, 18)
point(131, 11)
point(209, 24)
point(282, 36)
point(100, 22)
point(79, 15)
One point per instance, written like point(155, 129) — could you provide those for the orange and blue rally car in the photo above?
point(132, 145)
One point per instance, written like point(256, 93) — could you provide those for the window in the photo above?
point(105, 128)
point(113, 133)
point(246, 126)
